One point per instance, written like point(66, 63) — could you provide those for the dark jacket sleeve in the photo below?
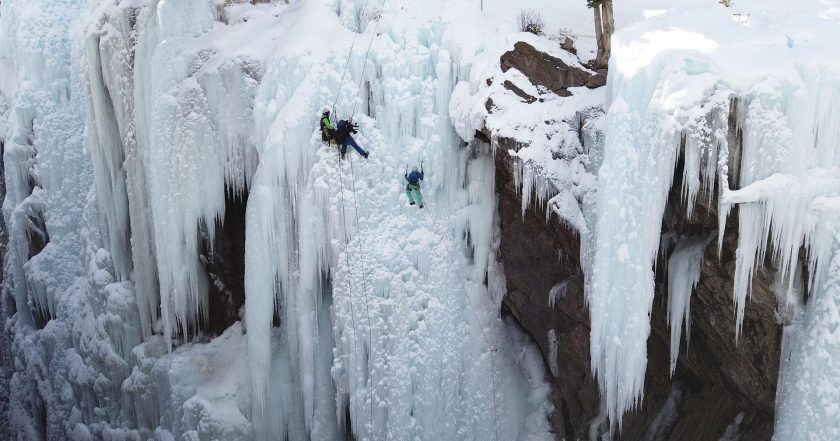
point(422, 175)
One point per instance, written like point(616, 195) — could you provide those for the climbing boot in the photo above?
point(366, 154)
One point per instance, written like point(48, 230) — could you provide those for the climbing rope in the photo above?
point(364, 282)
point(475, 314)
point(364, 65)
point(347, 63)
point(356, 211)
point(361, 249)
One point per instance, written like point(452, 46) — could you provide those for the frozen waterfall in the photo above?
point(132, 125)
point(755, 133)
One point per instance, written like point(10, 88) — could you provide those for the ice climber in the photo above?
point(343, 137)
point(327, 129)
point(412, 190)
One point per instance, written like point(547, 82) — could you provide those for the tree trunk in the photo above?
point(598, 35)
point(604, 28)
point(609, 28)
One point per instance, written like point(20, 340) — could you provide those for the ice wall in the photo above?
point(138, 117)
point(673, 88)
point(194, 141)
point(57, 349)
point(119, 173)
point(410, 356)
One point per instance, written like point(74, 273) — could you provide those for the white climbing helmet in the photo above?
point(326, 110)
point(414, 169)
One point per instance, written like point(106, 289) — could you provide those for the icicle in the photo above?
point(684, 267)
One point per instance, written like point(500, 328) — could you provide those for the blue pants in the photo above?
point(352, 142)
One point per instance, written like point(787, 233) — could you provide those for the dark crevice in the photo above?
point(36, 230)
point(567, 421)
point(40, 317)
point(224, 261)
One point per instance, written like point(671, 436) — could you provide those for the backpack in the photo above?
point(343, 130)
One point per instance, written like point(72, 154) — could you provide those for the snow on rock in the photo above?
point(548, 135)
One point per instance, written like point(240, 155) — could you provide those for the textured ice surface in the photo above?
point(410, 357)
point(124, 125)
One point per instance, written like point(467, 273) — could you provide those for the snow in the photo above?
point(553, 135)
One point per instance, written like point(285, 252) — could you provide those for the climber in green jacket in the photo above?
point(327, 128)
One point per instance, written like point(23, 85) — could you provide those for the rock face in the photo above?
point(531, 250)
point(544, 69)
point(519, 92)
point(716, 383)
point(596, 81)
point(718, 388)
point(568, 45)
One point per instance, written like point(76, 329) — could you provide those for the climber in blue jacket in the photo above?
point(343, 130)
point(412, 190)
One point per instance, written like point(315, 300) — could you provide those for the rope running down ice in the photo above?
point(347, 264)
point(434, 222)
point(356, 208)
point(347, 63)
point(477, 320)
point(364, 66)
point(356, 213)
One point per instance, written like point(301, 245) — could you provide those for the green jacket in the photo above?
point(325, 122)
point(327, 130)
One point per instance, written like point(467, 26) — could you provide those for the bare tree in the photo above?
point(604, 28)
point(531, 21)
